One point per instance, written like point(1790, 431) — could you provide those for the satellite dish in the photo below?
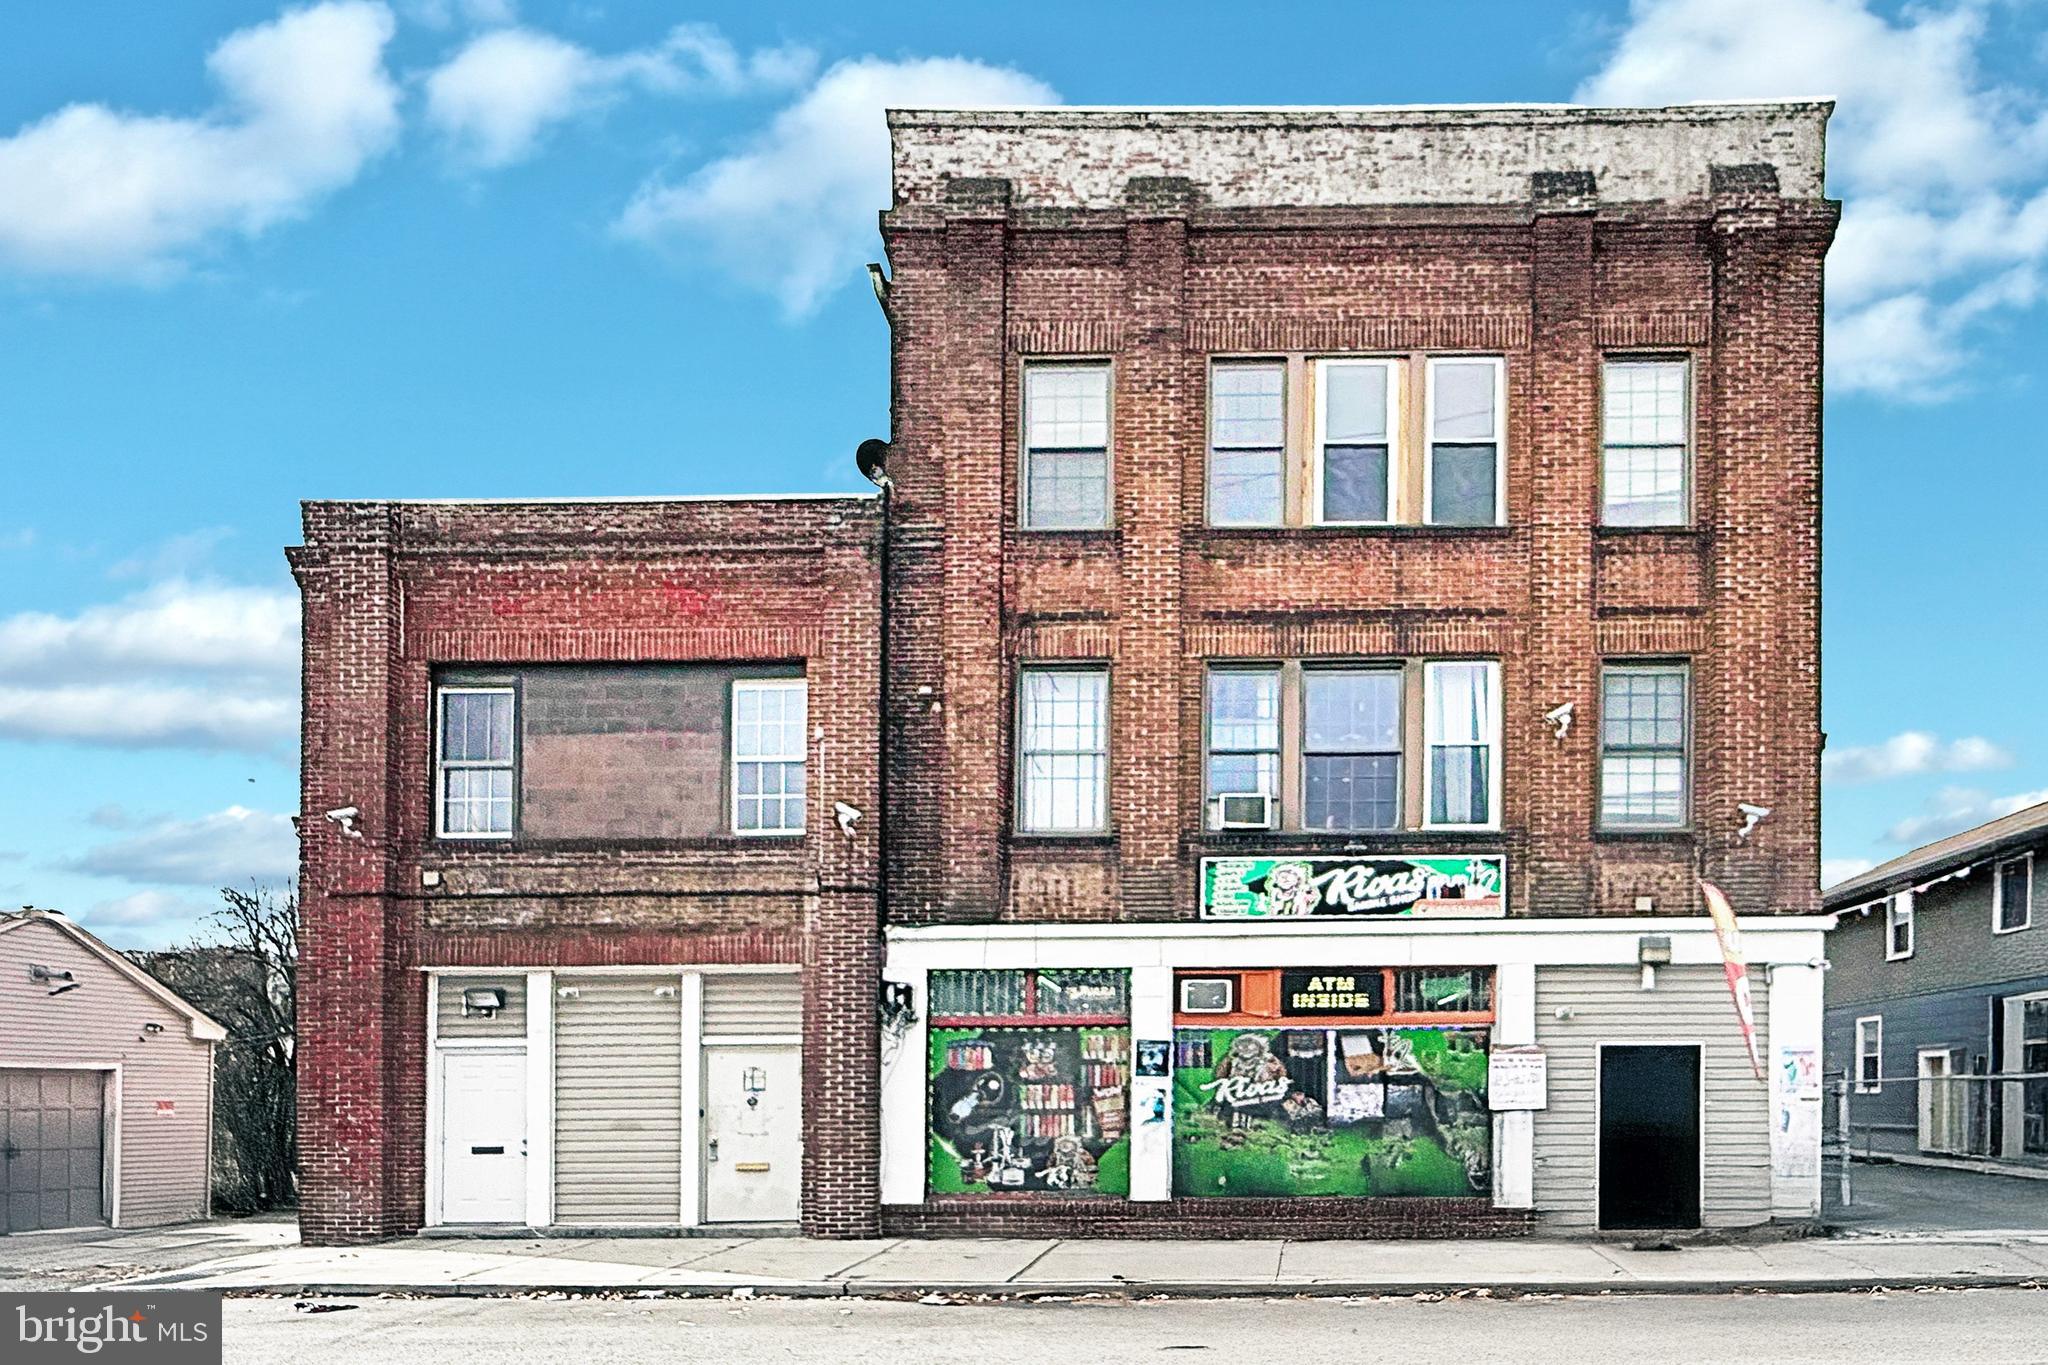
point(870, 456)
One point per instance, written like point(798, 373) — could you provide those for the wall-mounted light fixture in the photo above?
point(56, 978)
point(1653, 951)
point(482, 1002)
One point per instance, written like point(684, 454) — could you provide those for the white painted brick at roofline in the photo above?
point(1083, 158)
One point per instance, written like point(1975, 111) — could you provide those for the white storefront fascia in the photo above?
point(1791, 949)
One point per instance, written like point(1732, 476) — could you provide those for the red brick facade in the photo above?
point(395, 591)
point(986, 280)
point(1732, 282)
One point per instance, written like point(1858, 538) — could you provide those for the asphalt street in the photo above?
point(1943, 1325)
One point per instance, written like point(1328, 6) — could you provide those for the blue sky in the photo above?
point(253, 253)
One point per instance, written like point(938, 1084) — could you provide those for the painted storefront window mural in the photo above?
point(1017, 1105)
point(1331, 1111)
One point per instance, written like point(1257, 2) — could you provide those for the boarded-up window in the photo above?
point(620, 753)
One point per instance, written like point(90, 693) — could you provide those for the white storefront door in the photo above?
point(753, 1134)
point(483, 1135)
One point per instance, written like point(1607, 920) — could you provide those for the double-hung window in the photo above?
point(1244, 733)
point(1461, 730)
point(1869, 1054)
point(1644, 421)
point(1066, 446)
point(1898, 927)
point(1356, 418)
point(768, 724)
point(1462, 479)
point(1643, 783)
point(1247, 443)
point(473, 763)
point(2012, 895)
point(1351, 749)
point(1063, 750)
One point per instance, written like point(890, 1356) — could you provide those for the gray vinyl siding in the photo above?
point(1953, 946)
point(751, 1004)
point(163, 1153)
point(451, 1022)
point(618, 1101)
point(1689, 1005)
point(1960, 1021)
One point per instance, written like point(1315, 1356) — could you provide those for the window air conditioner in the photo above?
point(1208, 994)
point(1244, 810)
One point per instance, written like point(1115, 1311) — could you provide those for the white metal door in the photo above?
point(753, 1134)
point(483, 1135)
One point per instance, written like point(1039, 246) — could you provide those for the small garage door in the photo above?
point(50, 1149)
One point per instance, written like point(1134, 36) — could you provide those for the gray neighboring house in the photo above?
point(106, 1085)
point(1939, 969)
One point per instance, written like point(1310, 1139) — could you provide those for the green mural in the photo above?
point(1042, 1109)
point(1343, 1111)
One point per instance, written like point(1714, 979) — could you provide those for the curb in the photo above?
point(1172, 1289)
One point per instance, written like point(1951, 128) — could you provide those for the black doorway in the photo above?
point(1649, 1137)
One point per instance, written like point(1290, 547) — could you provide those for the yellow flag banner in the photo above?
point(1736, 968)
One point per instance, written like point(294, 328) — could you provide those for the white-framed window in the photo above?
point(1464, 474)
point(1898, 927)
point(1247, 442)
point(1063, 750)
point(1351, 748)
point(1645, 442)
point(1461, 729)
point(474, 753)
point(1357, 421)
point(1243, 713)
point(1643, 741)
point(2012, 895)
point(1870, 1054)
point(769, 719)
point(1066, 446)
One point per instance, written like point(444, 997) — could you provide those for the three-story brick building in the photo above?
point(1351, 571)
point(1346, 578)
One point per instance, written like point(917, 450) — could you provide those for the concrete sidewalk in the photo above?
point(1034, 1268)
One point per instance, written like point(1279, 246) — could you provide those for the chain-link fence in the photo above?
point(1989, 1119)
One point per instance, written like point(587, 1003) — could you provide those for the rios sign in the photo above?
point(1464, 886)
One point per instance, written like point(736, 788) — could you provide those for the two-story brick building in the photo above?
point(1345, 578)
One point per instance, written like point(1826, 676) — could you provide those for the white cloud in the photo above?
point(177, 625)
point(230, 847)
point(145, 716)
point(494, 99)
point(1910, 753)
point(1939, 165)
point(1955, 809)
point(306, 104)
point(793, 212)
point(143, 909)
point(1833, 870)
point(178, 665)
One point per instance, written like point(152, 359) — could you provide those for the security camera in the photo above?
point(1561, 718)
point(1752, 816)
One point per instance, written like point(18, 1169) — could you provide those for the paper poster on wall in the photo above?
point(1331, 1111)
point(1795, 1143)
point(1518, 1077)
point(1016, 1109)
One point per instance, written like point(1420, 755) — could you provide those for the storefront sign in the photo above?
point(1463, 886)
point(1518, 1077)
point(1333, 990)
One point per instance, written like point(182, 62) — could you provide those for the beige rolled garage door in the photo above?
point(52, 1149)
point(618, 1100)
